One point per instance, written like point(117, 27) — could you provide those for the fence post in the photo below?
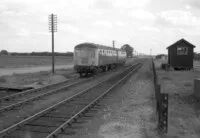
point(163, 113)
point(157, 97)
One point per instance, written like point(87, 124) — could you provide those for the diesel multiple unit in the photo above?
point(92, 58)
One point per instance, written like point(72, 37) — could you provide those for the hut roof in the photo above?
point(180, 41)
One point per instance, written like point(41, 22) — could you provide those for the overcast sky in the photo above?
point(144, 24)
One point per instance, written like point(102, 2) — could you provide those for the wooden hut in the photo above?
point(180, 55)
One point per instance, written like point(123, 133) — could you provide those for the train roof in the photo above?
point(92, 45)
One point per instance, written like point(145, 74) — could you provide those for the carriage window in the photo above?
point(182, 50)
point(92, 54)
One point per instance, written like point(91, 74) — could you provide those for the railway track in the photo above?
point(53, 120)
point(11, 101)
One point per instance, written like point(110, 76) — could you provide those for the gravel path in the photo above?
point(128, 112)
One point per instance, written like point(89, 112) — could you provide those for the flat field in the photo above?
point(32, 61)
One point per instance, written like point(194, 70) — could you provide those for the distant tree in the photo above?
point(128, 49)
point(4, 52)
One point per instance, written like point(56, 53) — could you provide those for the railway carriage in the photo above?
point(93, 58)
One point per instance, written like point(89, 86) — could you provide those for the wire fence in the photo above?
point(161, 103)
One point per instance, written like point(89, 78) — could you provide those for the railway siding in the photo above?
point(10, 102)
point(52, 86)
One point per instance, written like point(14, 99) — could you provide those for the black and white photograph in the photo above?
point(99, 68)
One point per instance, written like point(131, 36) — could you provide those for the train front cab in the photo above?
point(85, 61)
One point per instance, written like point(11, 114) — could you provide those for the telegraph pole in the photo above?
point(52, 29)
